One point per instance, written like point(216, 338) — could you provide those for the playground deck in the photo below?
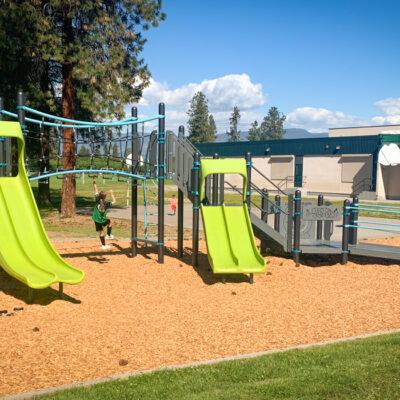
point(134, 314)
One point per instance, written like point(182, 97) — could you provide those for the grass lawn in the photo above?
point(364, 369)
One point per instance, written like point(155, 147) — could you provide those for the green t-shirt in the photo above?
point(99, 214)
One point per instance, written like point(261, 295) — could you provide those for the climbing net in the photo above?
point(122, 147)
point(123, 151)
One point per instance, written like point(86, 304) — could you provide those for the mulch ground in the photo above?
point(134, 314)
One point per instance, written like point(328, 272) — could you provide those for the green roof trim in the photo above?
point(300, 147)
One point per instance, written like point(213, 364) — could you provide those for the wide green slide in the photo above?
point(25, 250)
point(229, 235)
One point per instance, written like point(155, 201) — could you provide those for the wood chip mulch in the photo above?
point(134, 314)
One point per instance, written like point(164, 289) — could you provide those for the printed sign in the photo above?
point(321, 213)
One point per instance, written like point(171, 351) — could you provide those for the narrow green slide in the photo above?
point(25, 250)
point(229, 235)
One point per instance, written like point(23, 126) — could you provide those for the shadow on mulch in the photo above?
point(324, 260)
point(12, 287)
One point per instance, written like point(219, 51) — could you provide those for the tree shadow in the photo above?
point(14, 288)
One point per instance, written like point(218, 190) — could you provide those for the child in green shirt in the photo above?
point(99, 215)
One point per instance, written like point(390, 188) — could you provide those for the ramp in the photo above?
point(264, 231)
point(25, 250)
point(230, 241)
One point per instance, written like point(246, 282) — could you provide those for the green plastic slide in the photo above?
point(229, 235)
point(25, 250)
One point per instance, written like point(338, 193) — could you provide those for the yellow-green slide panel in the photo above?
point(25, 250)
point(230, 240)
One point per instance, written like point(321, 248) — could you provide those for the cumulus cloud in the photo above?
point(223, 93)
point(391, 109)
point(319, 119)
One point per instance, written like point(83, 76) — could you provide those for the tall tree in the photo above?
point(212, 127)
point(271, 127)
point(90, 49)
point(234, 133)
point(254, 132)
point(199, 120)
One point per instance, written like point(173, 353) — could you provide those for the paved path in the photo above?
point(171, 220)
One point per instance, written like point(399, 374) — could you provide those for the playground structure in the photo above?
point(298, 227)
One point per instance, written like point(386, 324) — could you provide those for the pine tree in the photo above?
point(199, 120)
point(212, 128)
point(272, 126)
point(234, 133)
point(254, 132)
point(89, 48)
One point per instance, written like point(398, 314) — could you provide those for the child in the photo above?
point(172, 205)
point(99, 215)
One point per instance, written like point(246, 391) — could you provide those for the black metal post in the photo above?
point(196, 208)
point(20, 110)
point(248, 186)
point(297, 225)
point(181, 135)
point(221, 189)
point(161, 182)
point(1, 108)
point(319, 223)
point(277, 213)
point(215, 185)
point(345, 231)
point(354, 221)
point(134, 191)
point(264, 217)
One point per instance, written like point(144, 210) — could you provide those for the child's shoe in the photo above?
point(105, 247)
point(109, 237)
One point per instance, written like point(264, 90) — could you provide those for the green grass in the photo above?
point(361, 370)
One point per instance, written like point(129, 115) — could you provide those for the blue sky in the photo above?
point(322, 63)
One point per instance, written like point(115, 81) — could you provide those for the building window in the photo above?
point(356, 168)
point(281, 167)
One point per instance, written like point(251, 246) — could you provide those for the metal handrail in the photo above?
point(269, 180)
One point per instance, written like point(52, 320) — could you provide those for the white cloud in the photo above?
point(391, 108)
point(319, 119)
point(223, 93)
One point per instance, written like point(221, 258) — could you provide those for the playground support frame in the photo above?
point(181, 135)
point(196, 208)
point(345, 232)
point(134, 189)
point(161, 182)
point(264, 217)
point(319, 223)
point(248, 171)
point(296, 224)
point(277, 213)
point(353, 220)
point(215, 185)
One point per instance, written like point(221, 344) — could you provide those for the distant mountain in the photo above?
point(290, 133)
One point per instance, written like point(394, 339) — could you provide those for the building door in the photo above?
point(298, 172)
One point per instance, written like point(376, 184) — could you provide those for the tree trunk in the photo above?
point(44, 184)
point(69, 183)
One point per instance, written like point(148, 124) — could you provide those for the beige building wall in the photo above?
point(328, 174)
point(362, 130)
point(264, 164)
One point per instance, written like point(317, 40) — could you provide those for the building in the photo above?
point(337, 165)
point(363, 130)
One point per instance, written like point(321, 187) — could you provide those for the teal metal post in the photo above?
point(215, 185)
point(196, 208)
point(345, 232)
point(181, 203)
point(354, 221)
point(161, 182)
point(296, 225)
point(248, 187)
point(319, 223)
point(134, 191)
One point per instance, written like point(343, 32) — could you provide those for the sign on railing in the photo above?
point(321, 213)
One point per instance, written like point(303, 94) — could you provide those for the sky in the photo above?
point(322, 63)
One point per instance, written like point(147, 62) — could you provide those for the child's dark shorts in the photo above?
point(100, 226)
